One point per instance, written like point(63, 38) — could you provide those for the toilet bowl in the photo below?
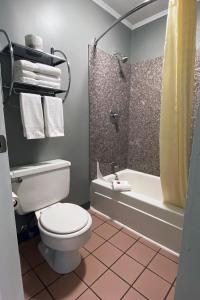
point(62, 240)
point(64, 227)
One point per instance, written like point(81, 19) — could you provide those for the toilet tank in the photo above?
point(40, 185)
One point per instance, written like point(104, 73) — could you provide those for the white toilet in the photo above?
point(64, 227)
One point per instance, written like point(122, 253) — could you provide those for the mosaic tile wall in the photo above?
point(136, 145)
point(108, 90)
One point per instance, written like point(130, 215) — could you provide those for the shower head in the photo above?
point(121, 58)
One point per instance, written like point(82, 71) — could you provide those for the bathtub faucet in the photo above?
point(114, 168)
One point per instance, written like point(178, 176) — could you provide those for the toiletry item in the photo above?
point(53, 116)
point(34, 41)
point(121, 186)
point(32, 116)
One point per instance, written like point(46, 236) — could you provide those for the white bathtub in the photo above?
point(142, 209)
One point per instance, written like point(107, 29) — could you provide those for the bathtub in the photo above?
point(142, 209)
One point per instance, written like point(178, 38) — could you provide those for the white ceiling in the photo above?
point(147, 14)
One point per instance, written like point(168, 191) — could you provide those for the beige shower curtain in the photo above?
point(176, 103)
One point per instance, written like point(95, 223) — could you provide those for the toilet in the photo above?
point(64, 227)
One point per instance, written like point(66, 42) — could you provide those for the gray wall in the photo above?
point(148, 41)
point(68, 25)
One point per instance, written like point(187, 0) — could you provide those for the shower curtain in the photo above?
point(176, 102)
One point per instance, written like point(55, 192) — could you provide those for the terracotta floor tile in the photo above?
point(24, 265)
point(33, 256)
point(122, 241)
point(46, 274)
point(116, 225)
point(29, 244)
point(150, 244)
point(170, 255)
point(141, 253)
point(32, 285)
point(94, 242)
point(127, 268)
point(132, 233)
point(152, 286)
point(133, 295)
point(110, 287)
point(68, 287)
point(171, 294)
point(164, 267)
point(106, 231)
point(107, 254)
point(96, 222)
point(90, 269)
point(88, 295)
point(83, 252)
point(102, 217)
point(44, 295)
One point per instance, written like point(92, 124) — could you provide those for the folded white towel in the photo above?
point(47, 78)
point(25, 65)
point(32, 116)
point(121, 186)
point(18, 72)
point(26, 80)
point(50, 84)
point(48, 70)
point(53, 116)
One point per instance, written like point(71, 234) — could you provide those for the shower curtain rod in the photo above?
point(140, 6)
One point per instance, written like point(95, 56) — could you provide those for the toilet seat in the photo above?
point(63, 218)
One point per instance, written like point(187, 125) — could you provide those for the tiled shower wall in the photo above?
point(137, 97)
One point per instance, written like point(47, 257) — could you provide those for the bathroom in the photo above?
point(130, 244)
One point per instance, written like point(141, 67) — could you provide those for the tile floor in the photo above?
point(116, 264)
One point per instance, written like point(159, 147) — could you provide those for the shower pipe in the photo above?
point(140, 6)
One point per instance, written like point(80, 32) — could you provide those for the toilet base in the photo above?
point(61, 262)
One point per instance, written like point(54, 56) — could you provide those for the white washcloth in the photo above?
point(53, 116)
point(18, 72)
point(32, 116)
point(48, 70)
point(25, 65)
point(26, 80)
point(48, 78)
point(121, 186)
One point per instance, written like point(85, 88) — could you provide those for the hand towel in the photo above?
point(48, 78)
point(32, 116)
point(47, 70)
point(26, 80)
point(18, 72)
point(53, 116)
point(121, 186)
point(25, 65)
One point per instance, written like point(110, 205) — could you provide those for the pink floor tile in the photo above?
point(94, 242)
point(83, 252)
point(24, 265)
point(96, 222)
point(170, 255)
point(152, 286)
point(102, 217)
point(132, 233)
point(150, 244)
point(68, 287)
point(46, 274)
point(107, 253)
point(127, 268)
point(88, 295)
point(171, 294)
point(133, 295)
point(33, 256)
point(141, 253)
point(116, 225)
point(28, 245)
point(32, 285)
point(164, 267)
point(90, 269)
point(44, 295)
point(122, 241)
point(110, 287)
point(106, 231)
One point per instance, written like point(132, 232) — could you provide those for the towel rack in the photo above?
point(23, 52)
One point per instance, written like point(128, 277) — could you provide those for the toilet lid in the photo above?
point(64, 218)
